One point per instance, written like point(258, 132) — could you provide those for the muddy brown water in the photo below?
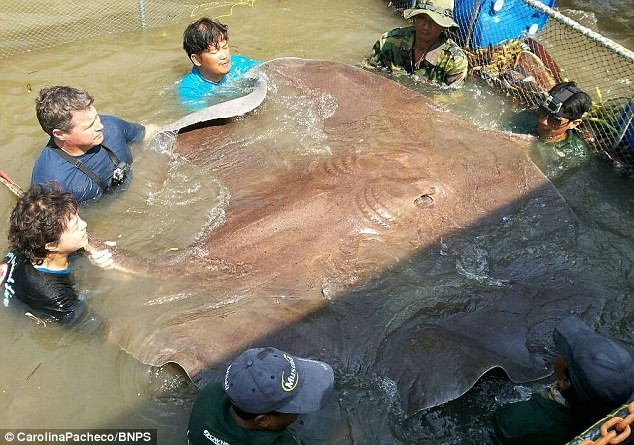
point(54, 379)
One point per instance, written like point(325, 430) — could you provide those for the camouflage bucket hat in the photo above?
point(441, 11)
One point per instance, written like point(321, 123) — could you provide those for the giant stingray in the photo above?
point(398, 241)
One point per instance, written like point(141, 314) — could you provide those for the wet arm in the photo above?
point(456, 71)
point(376, 58)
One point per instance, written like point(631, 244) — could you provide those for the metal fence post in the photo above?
point(142, 13)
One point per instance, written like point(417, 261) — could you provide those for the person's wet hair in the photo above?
point(40, 217)
point(54, 105)
point(576, 105)
point(202, 34)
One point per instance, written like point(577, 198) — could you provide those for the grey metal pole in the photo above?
point(142, 13)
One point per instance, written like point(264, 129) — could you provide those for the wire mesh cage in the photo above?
point(534, 47)
point(46, 23)
point(37, 24)
point(524, 47)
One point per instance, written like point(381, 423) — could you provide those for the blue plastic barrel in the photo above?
point(495, 21)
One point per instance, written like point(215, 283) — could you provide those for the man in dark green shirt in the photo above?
point(562, 112)
point(264, 391)
point(594, 376)
point(562, 150)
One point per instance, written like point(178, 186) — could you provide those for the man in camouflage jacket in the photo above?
point(423, 49)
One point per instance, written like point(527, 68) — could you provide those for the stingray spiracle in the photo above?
point(426, 200)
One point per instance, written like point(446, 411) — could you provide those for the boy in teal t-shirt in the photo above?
point(214, 70)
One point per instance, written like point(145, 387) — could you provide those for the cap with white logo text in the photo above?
point(264, 380)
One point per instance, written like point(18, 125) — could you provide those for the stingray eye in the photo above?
point(424, 202)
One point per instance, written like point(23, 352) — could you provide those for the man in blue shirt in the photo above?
point(215, 70)
point(88, 153)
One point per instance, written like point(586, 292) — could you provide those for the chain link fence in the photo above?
point(39, 24)
point(36, 24)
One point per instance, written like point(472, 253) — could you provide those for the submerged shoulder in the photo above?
point(212, 394)
point(243, 60)
point(400, 33)
point(190, 80)
point(49, 166)
point(111, 122)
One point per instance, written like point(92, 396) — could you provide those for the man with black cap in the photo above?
point(594, 375)
point(264, 391)
point(423, 49)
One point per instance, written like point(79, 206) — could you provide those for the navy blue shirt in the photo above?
point(117, 134)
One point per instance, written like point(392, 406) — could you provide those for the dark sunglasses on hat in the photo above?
point(553, 103)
